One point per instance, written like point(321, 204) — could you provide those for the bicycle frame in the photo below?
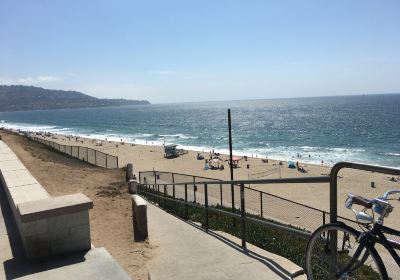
point(376, 235)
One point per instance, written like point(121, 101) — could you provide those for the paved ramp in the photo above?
point(185, 251)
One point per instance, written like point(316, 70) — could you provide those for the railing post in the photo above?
point(165, 195)
point(106, 162)
point(220, 192)
point(158, 194)
point(173, 194)
point(95, 157)
point(173, 188)
point(194, 189)
point(261, 205)
point(206, 204)
point(333, 218)
point(323, 217)
point(186, 205)
point(243, 216)
point(233, 198)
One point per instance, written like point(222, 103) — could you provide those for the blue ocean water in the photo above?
point(356, 128)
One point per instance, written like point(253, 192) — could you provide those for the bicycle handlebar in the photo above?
point(356, 199)
point(389, 192)
point(362, 201)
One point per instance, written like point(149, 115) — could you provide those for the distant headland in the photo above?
point(23, 98)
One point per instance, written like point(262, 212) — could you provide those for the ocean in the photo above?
point(330, 129)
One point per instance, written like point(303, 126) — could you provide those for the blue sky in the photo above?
point(168, 51)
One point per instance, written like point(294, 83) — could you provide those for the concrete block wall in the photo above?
point(48, 226)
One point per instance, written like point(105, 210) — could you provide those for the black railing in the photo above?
point(245, 197)
point(263, 204)
point(256, 207)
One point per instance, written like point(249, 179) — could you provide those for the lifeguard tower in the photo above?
point(170, 151)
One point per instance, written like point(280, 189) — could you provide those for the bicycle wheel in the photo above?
point(319, 254)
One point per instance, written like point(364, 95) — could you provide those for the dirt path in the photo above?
point(110, 219)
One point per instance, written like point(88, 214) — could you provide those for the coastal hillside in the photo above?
point(21, 98)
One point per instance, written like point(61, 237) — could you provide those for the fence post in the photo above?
point(186, 205)
point(206, 203)
point(106, 162)
point(220, 192)
point(243, 216)
point(261, 204)
point(117, 163)
point(323, 217)
point(79, 153)
point(95, 157)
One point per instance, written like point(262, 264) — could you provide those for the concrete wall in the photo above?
point(48, 226)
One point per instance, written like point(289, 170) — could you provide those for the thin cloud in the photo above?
point(6, 81)
point(48, 79)
point(39, 80)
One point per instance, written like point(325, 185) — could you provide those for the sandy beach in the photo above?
point(111, 217)
point(147, 158)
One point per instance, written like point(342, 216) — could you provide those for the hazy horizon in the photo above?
point(228, 100)
point(184, 51)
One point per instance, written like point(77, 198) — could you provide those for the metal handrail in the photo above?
point(351, 165)
point(320, 179)
point(242, 217)
point(332, 179)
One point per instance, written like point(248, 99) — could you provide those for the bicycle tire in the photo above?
point(318, 250)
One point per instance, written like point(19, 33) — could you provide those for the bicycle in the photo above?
point(338, 251)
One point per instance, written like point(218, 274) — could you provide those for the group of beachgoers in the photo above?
point(214, 162)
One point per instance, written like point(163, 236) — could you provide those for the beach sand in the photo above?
point(111, 217)
point(147, 158)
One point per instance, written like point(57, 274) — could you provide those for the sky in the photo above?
point(180, 51)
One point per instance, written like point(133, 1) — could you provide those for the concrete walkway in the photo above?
point(185, 251)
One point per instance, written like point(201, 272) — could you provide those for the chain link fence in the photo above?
point(86, 154)
point(262, 204)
